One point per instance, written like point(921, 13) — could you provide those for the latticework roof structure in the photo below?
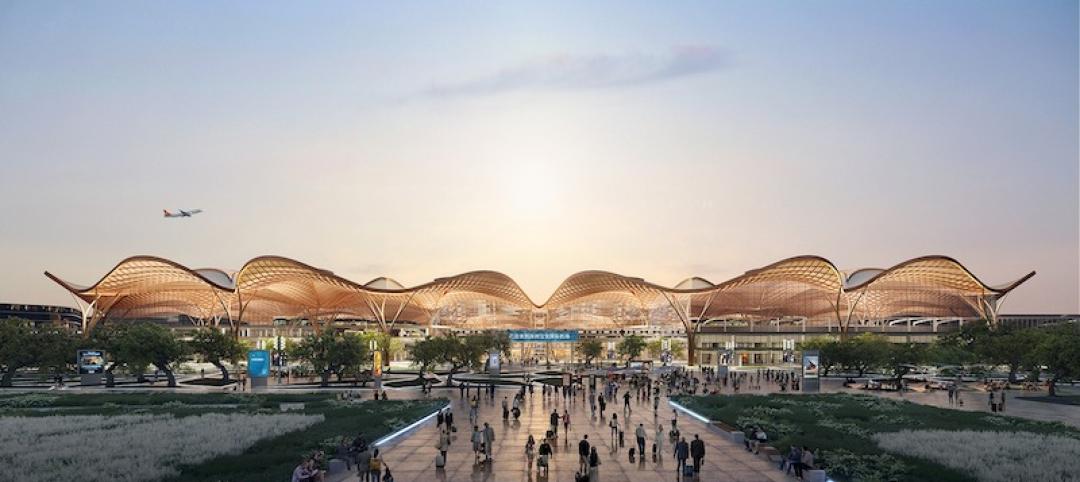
point(809, 288)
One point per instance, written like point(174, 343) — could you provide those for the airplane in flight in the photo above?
point(181, 213)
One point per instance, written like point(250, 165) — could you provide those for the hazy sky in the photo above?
point(659, 140)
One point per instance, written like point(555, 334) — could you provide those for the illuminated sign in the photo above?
point(90, 361)
point(810, 364)
point(258, 363)
point(376, 364)
point(543, 336)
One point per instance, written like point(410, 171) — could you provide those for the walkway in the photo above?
point(412, 457)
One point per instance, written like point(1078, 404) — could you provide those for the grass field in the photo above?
point(840, 428)
point(269, 459)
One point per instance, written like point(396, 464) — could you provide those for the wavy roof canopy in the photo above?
point(808, 287)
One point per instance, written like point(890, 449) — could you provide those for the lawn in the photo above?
point(841, 429)
point(263, 444)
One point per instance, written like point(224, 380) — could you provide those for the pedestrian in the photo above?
point(640, 435)
point(363, 463)
point(474, 406)
point(682, 451)
point(506, 409)
point(545, 454)
point(439, 419)
point(658, 442)
point(594, 466)
point(697, 452)
point(375, 466)
point(603, 404)
point(583, 454)
point(489, 441)
point(614, 426)
point(655, 403)
point(477, 440)
point(450, 421)
point(554, 421)
point(626, 401)
point(444, 443)
point(530, 447)
point(566, 421)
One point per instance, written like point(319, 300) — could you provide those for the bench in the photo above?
point(815, 475)
point(336, 470)
point(733, 434)
point(770, 453)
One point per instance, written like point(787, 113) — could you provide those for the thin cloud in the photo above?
point(580, 72)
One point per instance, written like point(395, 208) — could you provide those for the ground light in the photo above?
point(411, 426)
point(689, 412)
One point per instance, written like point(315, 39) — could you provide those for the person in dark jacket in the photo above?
point(583, 454)
point(697, 452)
point(682, 451)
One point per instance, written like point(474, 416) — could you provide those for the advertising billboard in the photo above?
point(810, 364)
point(376, 364)
point(90, 361)
point(258, 364)
point(494, 363)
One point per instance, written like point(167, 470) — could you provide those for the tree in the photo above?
point(631, 347)
point(332, 353)
point(216, 348)
point(1058, 350)
point(654, 348)
point(15, 337)
point(901, 358)
point(426, 353)
point(864, 352)
point(590, 349)
point(142, 344)
point(677, 348)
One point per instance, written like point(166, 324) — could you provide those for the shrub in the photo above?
point(991, 456)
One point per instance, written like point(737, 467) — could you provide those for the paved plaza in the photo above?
point(412, 457)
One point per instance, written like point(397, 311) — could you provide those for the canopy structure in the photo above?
point(802, 289)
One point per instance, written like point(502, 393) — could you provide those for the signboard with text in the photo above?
point(543, 336)
point(258, 364)
point(90, 361)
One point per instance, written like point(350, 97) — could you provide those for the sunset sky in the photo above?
point(662, 140)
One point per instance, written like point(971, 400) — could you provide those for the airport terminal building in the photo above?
point(759, 316)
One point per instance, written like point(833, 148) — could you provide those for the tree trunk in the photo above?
point(168, 374)
point(1051, 386)
point(691, 348)
point(1012, 372)
point(8, 376)
point(224, 372)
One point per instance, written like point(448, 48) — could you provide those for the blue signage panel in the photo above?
point(258, 363)
point(543, 336)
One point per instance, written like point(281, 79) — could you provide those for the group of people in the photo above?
point(798, 459)
point(996, 395)
point(369, 465)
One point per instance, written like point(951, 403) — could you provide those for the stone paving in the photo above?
point(412, 456)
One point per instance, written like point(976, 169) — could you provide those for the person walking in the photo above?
point(545, 454)
point(614, 426)
point(697, 452)
point(554, 420)
point(375, 466)
point(626, 401)
point(474, 407)
point(603, 404)
point(583, 454)
point(477, 440)
point(682, 451)
point(506, 408)
point(444, 442)
point(530, 448)
point(566, 422)
point(658, 442)
point(363, 463)
point(640, 435)
point(594, 466)
point(489, 441)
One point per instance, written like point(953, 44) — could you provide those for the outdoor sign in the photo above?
point(258, 364)
point(90, 361)
point(811, 364)
point(543, 336)
point(493, 363)
point(376, 364)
